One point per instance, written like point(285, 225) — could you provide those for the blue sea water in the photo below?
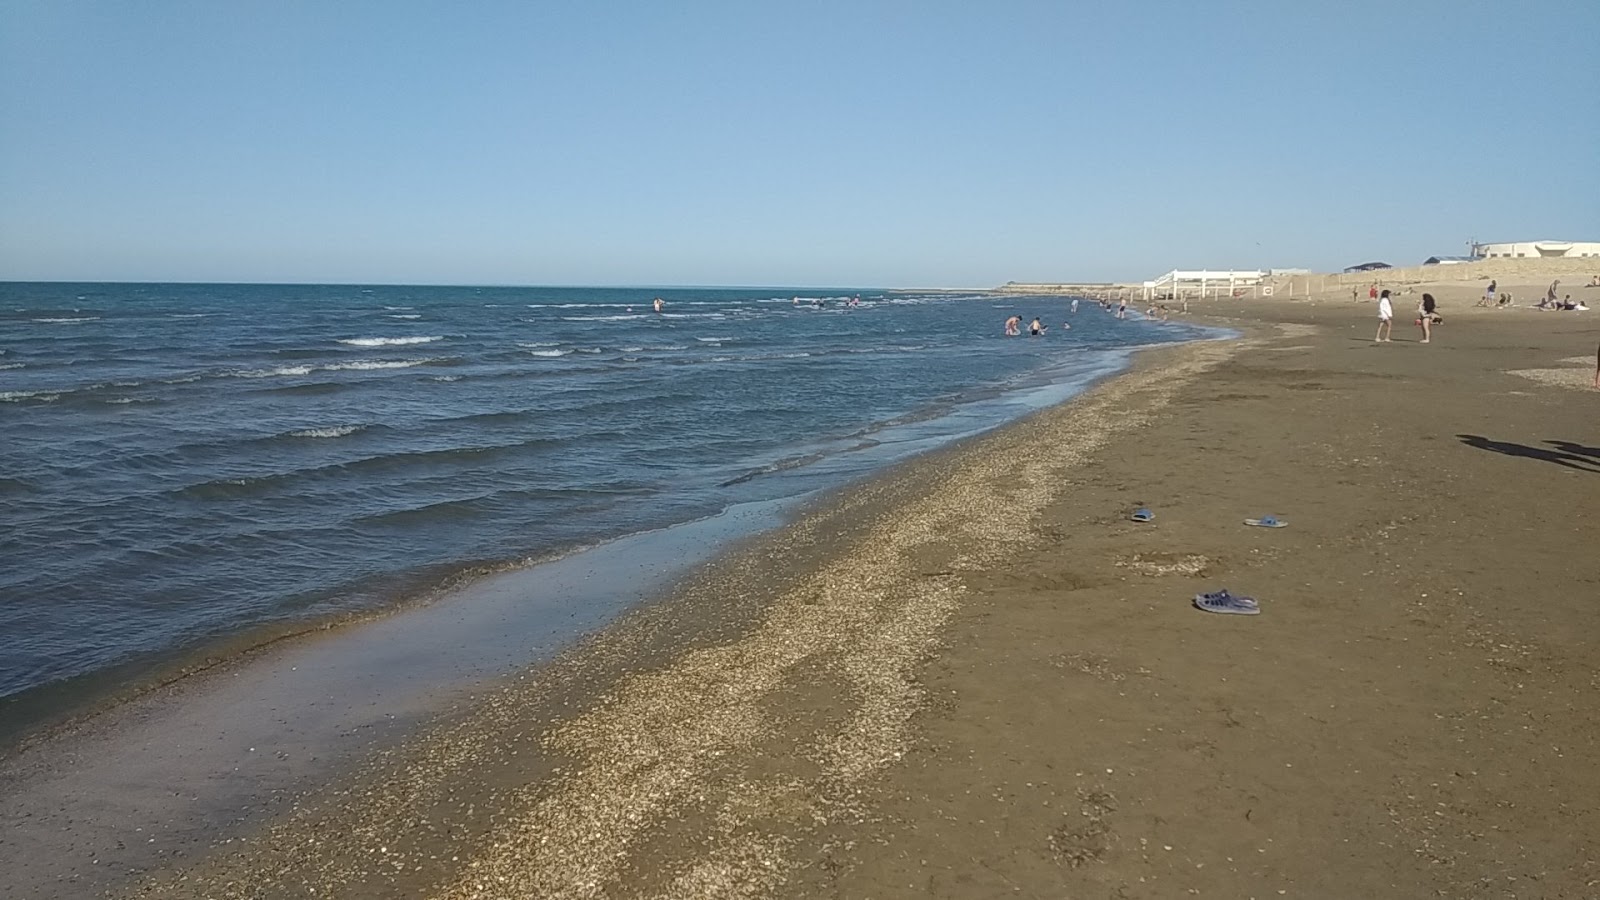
point(181, 462)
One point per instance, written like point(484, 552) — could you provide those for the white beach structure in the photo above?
point(1537, 249)
point(1182, 283)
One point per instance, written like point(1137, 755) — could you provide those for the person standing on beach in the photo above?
point(1372, 292)
point(1425, 316)
point(1550, 295)
point(1014, 325)
point(1488, 292)
point(1385, 318)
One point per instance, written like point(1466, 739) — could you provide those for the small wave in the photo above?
point(445, 378)
point(781, 465)
point(590, 350)
point(390, 341)
point(122, 401)
point(399, 307)
point(533, 345)
point(19, 396)
point(551, 353)
point(281, 370)
point(619, 318)
point(359, 365)
point(713, 340)
point(332, 431)
point(406, 316)
point(68, 321)
point(362, 365)
point(12, 365)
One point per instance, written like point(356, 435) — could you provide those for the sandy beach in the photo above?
point(975, 677)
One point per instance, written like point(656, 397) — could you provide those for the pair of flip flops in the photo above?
point(1224, 602)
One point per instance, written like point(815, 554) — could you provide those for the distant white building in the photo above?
point(1537, 249)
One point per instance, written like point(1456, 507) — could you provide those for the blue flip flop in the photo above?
point(1224, 602)
point(1267, 522)
point(1143, 515)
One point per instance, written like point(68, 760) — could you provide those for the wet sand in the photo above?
point(974, 677)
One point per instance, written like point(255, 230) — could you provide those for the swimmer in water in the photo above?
point(1013, 326)
point(1036, 328)
point(658, 303)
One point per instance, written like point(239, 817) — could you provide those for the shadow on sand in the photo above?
point(1567, 454)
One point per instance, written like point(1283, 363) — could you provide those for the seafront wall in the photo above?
point(1483, 270)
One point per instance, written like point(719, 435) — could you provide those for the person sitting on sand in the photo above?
point(1385, 317)
point(1014, 326)
point(1036, 328)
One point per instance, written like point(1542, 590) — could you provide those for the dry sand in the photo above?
point(974, 677)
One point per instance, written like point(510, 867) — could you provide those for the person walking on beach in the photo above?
point(1014, 325)
point(1425, 316)
point(1385, 317)
point(1488, 292)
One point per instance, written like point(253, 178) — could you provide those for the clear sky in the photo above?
point(819, 143)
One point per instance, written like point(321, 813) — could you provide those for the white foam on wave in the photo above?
point(617, 318)
point(390, 341)
point(331, 431)
point(694, 315)
point(399, 307)
point(122, 401)
point(548, 352)
point(445, 378)
point(713, 340)
point(281, 370)
point(68, 321)
point(534, 345)
point(406, 316)
point(362, 365)
point(590, 350)
point(13, 365)
point(19, 396)
point(187, 315)
point(358, 365)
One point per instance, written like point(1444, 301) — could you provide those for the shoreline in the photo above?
point(727, 598)
point(199, 694)
point(41, 711)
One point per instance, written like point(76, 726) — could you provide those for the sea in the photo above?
point(182, 464)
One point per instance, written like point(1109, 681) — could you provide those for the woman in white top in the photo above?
point(1385, 318)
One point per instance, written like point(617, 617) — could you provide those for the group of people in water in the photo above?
point(1036, 328)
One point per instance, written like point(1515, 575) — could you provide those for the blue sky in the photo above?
point(857, 143)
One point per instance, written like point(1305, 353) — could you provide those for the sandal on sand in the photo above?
point(1224, 602)
point(1143, 515)
point(1266, 522)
